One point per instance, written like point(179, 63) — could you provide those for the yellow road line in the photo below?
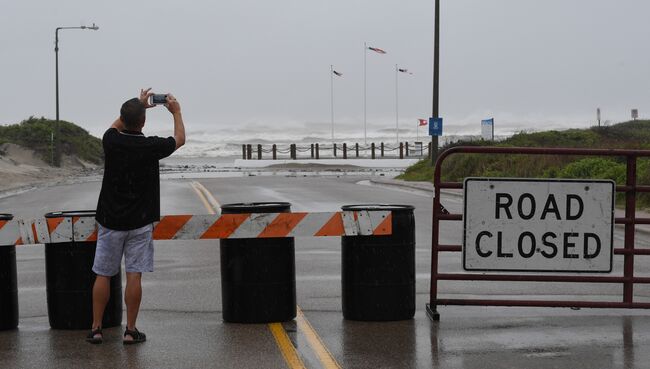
point(199, 193)
point(286, 347)
point(289, 352)
point(323, 354)
point(211, 200)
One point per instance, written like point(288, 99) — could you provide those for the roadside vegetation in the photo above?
point(36, 134)
point(629, 135)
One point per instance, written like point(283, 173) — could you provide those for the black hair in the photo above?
point(132, 114)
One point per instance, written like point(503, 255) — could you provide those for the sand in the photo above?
point(20, 168)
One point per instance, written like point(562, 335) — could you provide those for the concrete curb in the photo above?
point(422, 186)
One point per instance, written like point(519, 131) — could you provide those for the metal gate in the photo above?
point(628, 250)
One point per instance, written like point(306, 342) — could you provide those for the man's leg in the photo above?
point(108, 256)
point(101, 294)
point(132, 298)
point(138, 258)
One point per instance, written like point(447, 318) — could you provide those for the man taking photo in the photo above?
point(129, 204)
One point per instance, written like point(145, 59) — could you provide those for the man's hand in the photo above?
point(144, 97)
point(172, 104)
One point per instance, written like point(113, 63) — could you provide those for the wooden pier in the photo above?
point(403, 150)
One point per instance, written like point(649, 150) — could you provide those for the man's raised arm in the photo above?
point(179, 128)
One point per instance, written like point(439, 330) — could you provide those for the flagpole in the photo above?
point(396, 106)
point(365, 47)
point(332, 97)
point(417, 131)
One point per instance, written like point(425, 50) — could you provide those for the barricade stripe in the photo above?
point(350, 224)
point(333, 227)
point(25, 227)
point(35, 233)
point(169, 225)
point(282, 225)
point(83, 228)
point(253, 225)
point(385, 227)
point(93, 236)
point(63, 231)
point(225, 226)
point(9, 232)
point(195, 227)
point(53, 223)
point(310, 225)
point(41, 230)
point(365, 222)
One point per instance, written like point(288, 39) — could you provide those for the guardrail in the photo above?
point(336, 151)
point(628, 279)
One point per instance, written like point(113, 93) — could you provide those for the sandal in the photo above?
point(91, 337)
point(138, 337)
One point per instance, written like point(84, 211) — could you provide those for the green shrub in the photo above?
point(36, 134)
point(595, 168)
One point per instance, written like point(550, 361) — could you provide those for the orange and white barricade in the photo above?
point(62, 229)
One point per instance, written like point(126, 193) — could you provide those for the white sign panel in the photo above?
point(487, 129)
point(538, 225)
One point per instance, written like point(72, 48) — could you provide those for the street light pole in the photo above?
point(396, 106)
point(94, 27)
point(436, 80)
point(365, 52)
point(332, 98)
point(397, 71)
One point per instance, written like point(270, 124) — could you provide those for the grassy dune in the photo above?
point(35, 133)
point(628, 135)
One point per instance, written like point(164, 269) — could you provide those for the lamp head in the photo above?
point(94, 27)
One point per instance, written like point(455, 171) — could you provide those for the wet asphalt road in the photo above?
point(181, 308)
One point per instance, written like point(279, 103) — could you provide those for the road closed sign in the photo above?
point(538, 225)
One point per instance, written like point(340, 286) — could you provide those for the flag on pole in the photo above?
point(377, 50)
point(404, 71)
point(423, 122)
point(337, 73)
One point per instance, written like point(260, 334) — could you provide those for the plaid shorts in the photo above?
point(136, 245)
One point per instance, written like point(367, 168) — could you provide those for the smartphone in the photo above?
point(158, 99)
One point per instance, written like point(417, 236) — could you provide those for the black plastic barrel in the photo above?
point(69, 282)
point(258, 275)
point(378, 272)
point(8, 284)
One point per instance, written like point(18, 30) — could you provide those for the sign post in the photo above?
point(535, 225)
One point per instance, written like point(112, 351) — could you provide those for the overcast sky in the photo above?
point(265, 64)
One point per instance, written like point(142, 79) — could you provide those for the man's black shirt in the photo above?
point(130, 195)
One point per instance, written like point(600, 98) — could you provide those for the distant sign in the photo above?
point(435, 126)
point(635, 114)
point(538, 225)
point(487, 129)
